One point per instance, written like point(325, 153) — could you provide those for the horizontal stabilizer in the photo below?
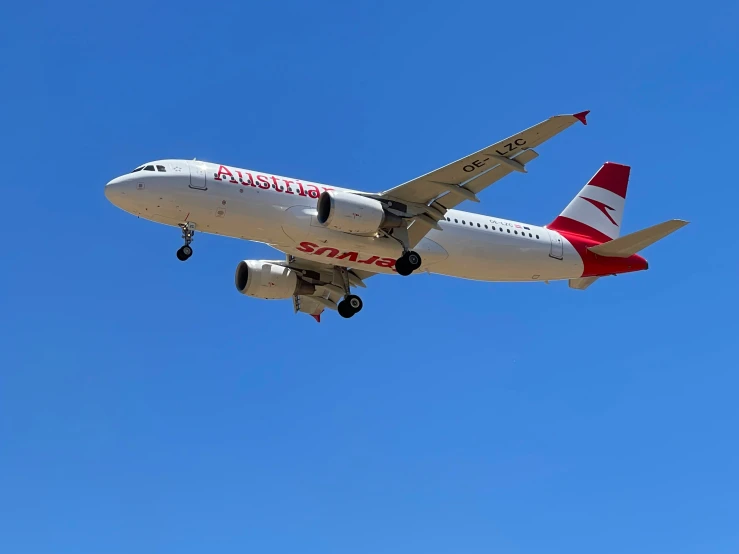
point(631, 244)
point(582, 283)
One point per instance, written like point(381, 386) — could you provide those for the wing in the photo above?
point(330, 282)
point(436, 192)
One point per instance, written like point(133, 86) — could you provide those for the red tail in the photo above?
point(597, 210)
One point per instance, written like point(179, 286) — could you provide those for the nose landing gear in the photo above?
point(188, 233)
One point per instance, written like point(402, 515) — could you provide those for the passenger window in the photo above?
point(486, 226)
point(456, 221)
point(472, 224)
point(537, 236)
point(508, 230)
point(515, 232)
point(478, 224)
point(501, 229)
point(463, 223)
point(149, 168)
point(161, 168)
point(530, 235)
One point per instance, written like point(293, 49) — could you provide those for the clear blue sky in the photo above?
point(147, 407)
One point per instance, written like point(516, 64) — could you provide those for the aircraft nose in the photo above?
point(115, 189)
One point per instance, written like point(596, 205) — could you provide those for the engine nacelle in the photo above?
point(262, 279)
point(351, 213)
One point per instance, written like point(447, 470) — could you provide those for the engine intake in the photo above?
point(351, 213)
point(262, 279)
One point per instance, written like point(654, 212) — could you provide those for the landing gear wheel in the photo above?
point(345, 310)
point(407, 263)
point(184, 253)
point(403, 267)
point(414, 260)
point(355, 303)
point(351, 305)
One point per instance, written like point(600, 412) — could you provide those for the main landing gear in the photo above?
point(188, 232)
point(351, 304)
point(408, 263)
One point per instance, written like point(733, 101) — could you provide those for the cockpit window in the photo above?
point(139, 168)
point(149, 168)
point(161, 168)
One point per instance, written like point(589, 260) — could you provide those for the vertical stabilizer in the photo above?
point(596, 212)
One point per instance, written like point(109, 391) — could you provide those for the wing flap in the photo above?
point(420, 226)
point(485, 179)
point(458, 181)
point(308, 305)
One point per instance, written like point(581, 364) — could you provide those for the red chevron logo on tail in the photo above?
point(602, 207)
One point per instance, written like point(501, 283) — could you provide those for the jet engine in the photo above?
point(354, 214)
point(269, 281)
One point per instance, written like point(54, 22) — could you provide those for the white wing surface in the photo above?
point(436, 192)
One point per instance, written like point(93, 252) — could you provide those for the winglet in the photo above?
point(581, 116)
point(317, 317)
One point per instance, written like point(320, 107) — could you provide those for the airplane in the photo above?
point(335, 239)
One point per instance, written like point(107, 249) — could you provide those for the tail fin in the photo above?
point(597, 211)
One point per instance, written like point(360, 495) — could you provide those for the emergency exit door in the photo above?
point(557, 247)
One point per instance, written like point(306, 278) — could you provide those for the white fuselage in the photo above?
point(281, 212)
